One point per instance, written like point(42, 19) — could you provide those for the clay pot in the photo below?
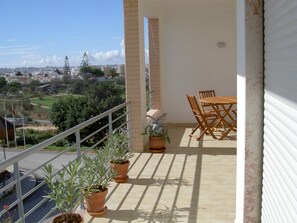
point(121, 171)
point(95, 203)
point(157, 144)
point(72, 218)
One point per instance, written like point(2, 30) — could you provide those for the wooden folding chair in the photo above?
point(205, 121)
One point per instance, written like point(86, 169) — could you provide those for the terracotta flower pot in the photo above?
point(95, 203)
point(157, 144)
point(121, 171)
point(72, 218)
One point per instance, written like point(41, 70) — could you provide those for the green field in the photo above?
point(48, 101)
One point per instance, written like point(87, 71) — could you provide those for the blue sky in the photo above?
point(42, 32)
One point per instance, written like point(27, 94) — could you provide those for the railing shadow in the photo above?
point(174, 211)
point(161, 215)
point(159, 183)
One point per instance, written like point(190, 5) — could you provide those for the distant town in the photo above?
point(25, 75)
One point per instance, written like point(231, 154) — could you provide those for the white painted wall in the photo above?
point(191, 59)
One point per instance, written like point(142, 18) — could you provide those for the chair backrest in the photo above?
point(206, 94)
point(194, 105)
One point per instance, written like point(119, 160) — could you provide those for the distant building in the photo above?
point(10, 129)
point(43, 88)
point(121, 69)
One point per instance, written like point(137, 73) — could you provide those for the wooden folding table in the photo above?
point(224, 103)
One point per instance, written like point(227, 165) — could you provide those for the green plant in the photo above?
point(119, 147)
point(98, 98)
point(156, 128)
point(7, 217)
point(96, 173)
point(34, 137)
point(65, 188)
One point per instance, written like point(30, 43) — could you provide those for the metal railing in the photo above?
point(113, 119)
point(149, 100)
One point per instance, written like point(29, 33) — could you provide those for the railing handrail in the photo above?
point(62, 135)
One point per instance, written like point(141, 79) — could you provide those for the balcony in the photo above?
point(193, 181)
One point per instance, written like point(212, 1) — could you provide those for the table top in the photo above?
point(220, 100)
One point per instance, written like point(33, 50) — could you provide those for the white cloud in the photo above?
point(109, 56)
point(11, 40)
point(18, 50)
point(39, 61)
point(146, 51)
point(106, 57)
point(29, 56)
point(123, 47)
point(122, 44)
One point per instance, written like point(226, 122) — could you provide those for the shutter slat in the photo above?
point(279, 198)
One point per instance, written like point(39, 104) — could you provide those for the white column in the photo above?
point(250, 110)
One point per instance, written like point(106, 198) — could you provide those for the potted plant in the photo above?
point(96, 175)
point(120, 152)
point(65, 191)
point(158, 134)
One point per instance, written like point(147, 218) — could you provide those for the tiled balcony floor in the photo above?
point(191, 182)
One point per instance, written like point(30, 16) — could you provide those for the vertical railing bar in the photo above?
point(151, 99)
point(147, 102)
point(18, 189)
point(6, 130)
point(129, 127)
point(78, 146)
point(78, 154)
point(110, 123)
point(4, 152)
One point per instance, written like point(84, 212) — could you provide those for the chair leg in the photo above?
point(201, 134)
point(194, 130)
point(207, 130)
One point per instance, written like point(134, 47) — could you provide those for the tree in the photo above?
point(26, 104)
point(66, 69)
point(100, 97)
point(57, 85)
point(68, 112)
point(96, 72)
point(18, 74)
point(77, 86)
point(33, 85)
point(58, 71)
point(112, 72)
point(85, 60)
point(3, 83)
point(13, 87)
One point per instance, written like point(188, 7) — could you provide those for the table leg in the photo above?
point(231, 126)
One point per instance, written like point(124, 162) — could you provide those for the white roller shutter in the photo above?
point(279, 199)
